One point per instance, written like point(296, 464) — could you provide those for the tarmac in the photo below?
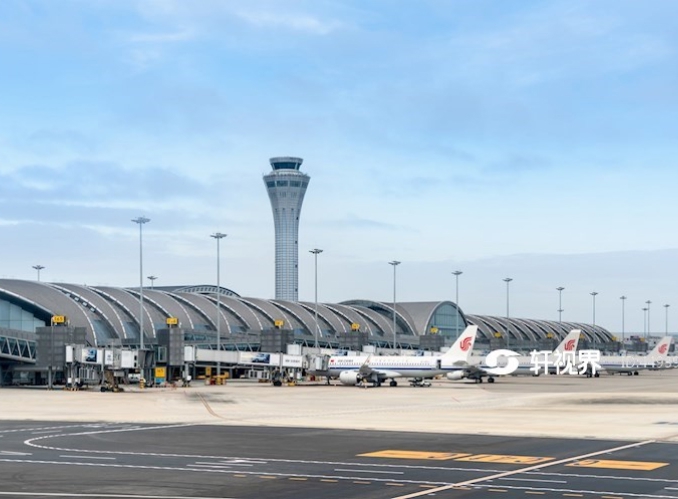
point(643, 407)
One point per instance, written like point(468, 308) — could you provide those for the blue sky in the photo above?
point(531, 139)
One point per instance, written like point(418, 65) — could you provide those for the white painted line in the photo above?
point(216, 466)
point(10, 453)
point(88, 457)
point(524, 470)
point(119, 496)
point(370, 471)
point(533, 480)
point(45, 431)
point(670, 488)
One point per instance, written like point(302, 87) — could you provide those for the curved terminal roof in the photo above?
point(111, 315)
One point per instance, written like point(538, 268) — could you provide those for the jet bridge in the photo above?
point(17, 346)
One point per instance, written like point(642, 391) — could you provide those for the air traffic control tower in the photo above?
point(286, 187)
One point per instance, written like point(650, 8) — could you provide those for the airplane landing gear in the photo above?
point(490, 379)
point(393, 383)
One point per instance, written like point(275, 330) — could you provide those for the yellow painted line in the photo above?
point(496, 490)
point(504, 459)
point(362, 483)
point(268, 477)
point(240, 476)
point(612, 497)
point(536, 493)
point(298, 479)
point(618, 465)
point(573, 495)
point(328, 480)
point(394, 484)
point(414, 454)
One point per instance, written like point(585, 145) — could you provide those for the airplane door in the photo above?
point(438, 365)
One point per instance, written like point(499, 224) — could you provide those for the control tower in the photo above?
point(286, 187)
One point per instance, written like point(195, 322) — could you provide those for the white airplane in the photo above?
point(517, 365)
point(354, 370)
point(631, 364)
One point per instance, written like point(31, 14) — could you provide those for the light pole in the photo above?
point(38, 268)
point(593, 294)
point(507, 280)
point(316, 252)
point(218, 236)
point(645, 322)
point(152, 278)
point(623, 299)
point(560, 303)
point(456, 275)
point(666, 307)
point(395, 263)
point(648, 317)
point(141, 221)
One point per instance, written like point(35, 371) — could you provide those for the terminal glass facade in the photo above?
point(14, 317)
point(449, 321)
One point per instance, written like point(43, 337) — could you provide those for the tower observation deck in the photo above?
point(286, 186)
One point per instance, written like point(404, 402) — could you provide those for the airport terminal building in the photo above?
point(110, 316)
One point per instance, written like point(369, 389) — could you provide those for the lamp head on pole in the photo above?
point(394, 263)
point(457, 273)
point(594, 293)
point(507, 279)
point(560, 288)
point(218, 235)
point(141, 220)
point(315, 251)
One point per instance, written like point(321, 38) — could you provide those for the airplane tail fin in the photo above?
point(461, 349)
point(570, 342)
point(662, 348)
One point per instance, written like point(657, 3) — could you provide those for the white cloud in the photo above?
point(296, 22)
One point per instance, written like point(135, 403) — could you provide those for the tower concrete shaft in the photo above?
point(286, 187)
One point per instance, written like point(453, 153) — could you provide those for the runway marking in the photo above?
point(393, 484)
point(18, 430)
point(98, 494)
point(45, 431)
point(504, 459)
point(524, 470)
point(89, 457)
point(612, 497)
point(496, 490)
point(12, 453)
point(330, 480)
point(268, 477)
point(362, 483)
point(370, 471)
point(583, 493)
point(412, 454)
point(535, 492)
point(534, 480)
point(297, 479)
point(618, 465)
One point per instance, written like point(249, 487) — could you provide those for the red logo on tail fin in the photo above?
point(663, 348)
point(466, 343)
point(569, 345)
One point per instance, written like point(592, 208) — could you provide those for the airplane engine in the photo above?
point(349, 378)
point(455, 375)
